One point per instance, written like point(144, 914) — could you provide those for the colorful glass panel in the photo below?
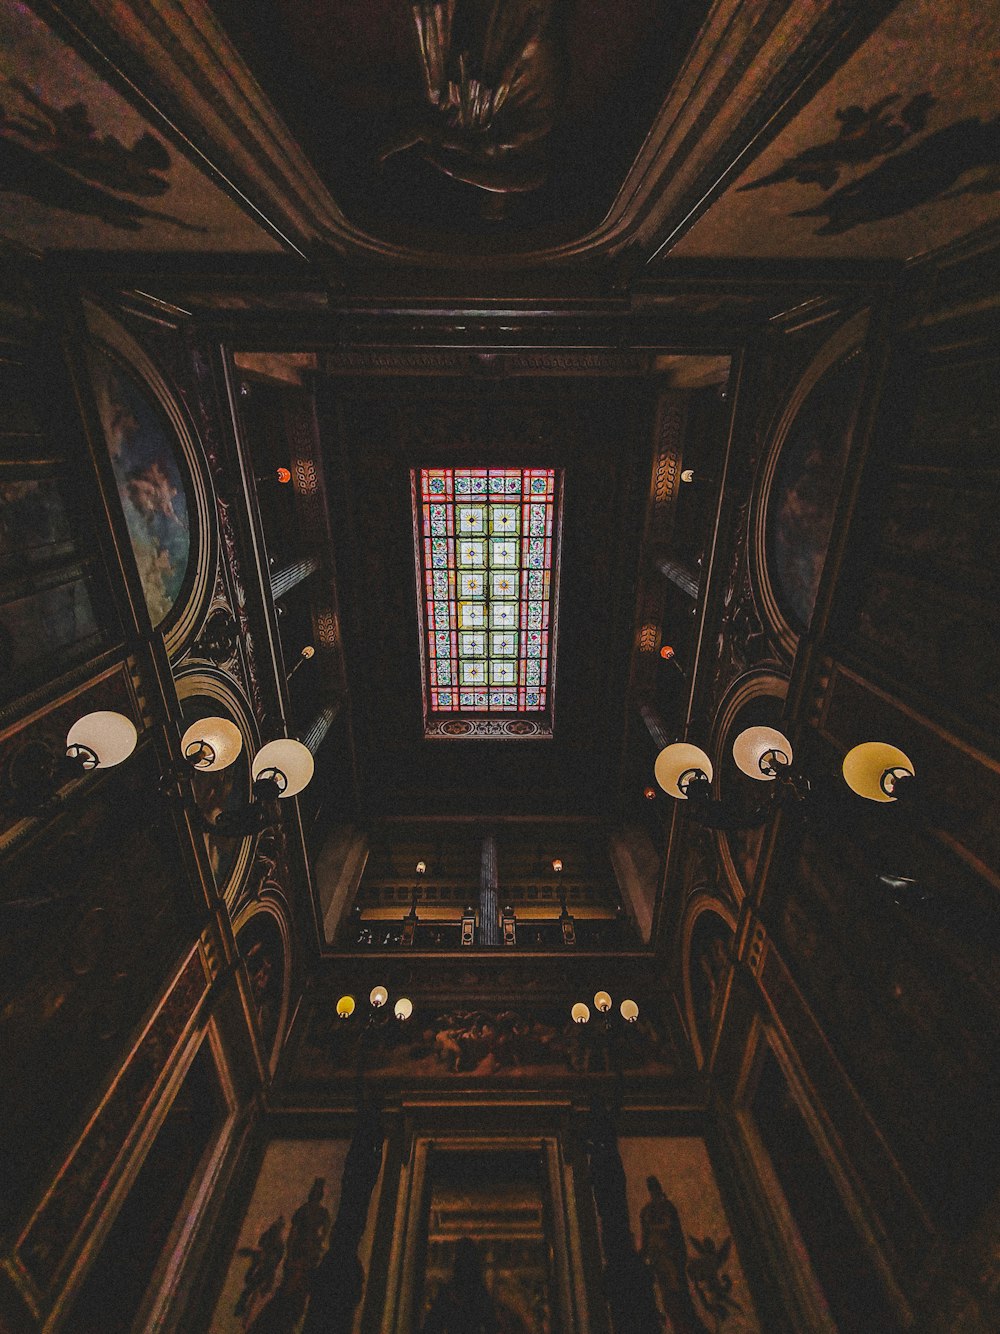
point(486, 548)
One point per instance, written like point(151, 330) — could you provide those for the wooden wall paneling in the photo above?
point(47, 1246)
point(837, 1264)
point(919, 607)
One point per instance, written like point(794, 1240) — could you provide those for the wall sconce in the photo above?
point(305, 654)
point(877, 771)
point(580, 1013)
point(874, 770)
point(683, 770)
point(99, 740)
point(378, 999)
point(557, 865)
point(280, 769)
point(211, 743)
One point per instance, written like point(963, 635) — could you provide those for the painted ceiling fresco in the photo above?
point(81, 169)
point(896, 155)
point(478, 124)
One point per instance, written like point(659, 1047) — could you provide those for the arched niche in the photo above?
point(263, 941)
point(707, 935)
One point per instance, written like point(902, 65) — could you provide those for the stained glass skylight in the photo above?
point(485, 547)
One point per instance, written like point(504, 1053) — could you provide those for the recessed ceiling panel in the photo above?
point(487, 571)
point(482, 126)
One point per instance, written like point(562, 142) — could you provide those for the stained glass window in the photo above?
point(485, 543)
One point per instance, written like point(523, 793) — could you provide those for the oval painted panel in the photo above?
point(152, 484)
point(806, 486)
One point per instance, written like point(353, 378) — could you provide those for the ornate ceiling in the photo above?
point(482, 138)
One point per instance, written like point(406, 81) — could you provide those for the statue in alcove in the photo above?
point(492, 79)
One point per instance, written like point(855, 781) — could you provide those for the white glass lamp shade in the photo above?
point(345, 1007)
point(403, 1008)
point(378, 997)
point(602, 1002)
point(580, 1013)
point(101, 740)
point(678, 761)
point(629, 1011)
point(755, 746)
point(211, 743)
point(286, 760)
point(870, 769)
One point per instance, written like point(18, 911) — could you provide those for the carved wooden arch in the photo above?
point(848, 338)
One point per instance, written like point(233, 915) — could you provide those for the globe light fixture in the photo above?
point(378, 997)
point(101, 740)
point(421, 868)
point(345, 1007)
point(763, 753)
point(211, 744)
point(602, 1002)
point(557, 864)
point(282, 768)
point(629, 1011)
point(403, 1009)
point(680, 767)
point(877, 771)
point(580, 1013)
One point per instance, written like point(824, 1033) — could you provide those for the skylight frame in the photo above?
point(513, 716)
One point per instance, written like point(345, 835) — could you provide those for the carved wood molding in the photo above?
point(395, 361)
point(47, 1244)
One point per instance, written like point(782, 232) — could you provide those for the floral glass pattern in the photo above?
point(486, 550)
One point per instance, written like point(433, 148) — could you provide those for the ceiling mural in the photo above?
point(485, 125)
point(898, 154)
point(81, 169)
